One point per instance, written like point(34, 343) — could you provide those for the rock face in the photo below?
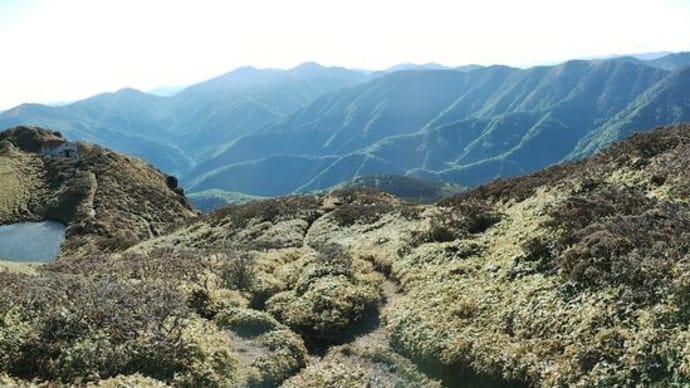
point(577, 275)
point(107, 200)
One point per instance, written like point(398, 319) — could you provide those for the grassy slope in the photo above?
point(576, 275)
point(493, 303)
point(20, 181)
point(107, 200)
point(593, 305)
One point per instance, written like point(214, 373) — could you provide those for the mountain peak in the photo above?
point(310, 65)
point(415, 66)
point(128, 91)
point(244, 70)
point(314, 69)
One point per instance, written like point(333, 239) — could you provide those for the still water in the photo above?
point(31, 241)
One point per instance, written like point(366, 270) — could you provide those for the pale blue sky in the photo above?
point(60, 50)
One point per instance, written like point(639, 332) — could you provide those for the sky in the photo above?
point(63, 50)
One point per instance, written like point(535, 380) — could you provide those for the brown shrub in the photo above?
point(237, 271)
point(269, 210)
point(358, 205)
point(172, 265)
point(462, 219)
point(65, 328)
point(615, 236)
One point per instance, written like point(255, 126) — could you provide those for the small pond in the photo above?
point(31, 241)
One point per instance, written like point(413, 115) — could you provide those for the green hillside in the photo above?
point(106, 200)
point(462, 127)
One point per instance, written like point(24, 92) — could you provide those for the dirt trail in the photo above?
point(379, 336)
point(247, 350)
point(375, 334)
point(371, 332)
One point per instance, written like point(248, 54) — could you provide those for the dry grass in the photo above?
point(21, 184)
point(26, 268)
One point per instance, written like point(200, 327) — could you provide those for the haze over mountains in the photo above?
point(274, 132)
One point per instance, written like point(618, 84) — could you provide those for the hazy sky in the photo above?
point(59, 50)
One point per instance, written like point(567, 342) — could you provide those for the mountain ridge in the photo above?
point(487, 135)
point(466, 126)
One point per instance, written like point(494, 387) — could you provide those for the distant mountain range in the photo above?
point(274, 132)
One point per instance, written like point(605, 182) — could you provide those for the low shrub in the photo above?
point(350, 365)
point(363, 206)
point(173, 265)
point(463, 219)
point(246, 322)
point(616, 236)
point(237, 271)
point(69, 328)
point(328, 298)
point(269, 210)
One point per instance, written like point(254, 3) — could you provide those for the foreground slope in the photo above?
point(107, 200)
point(574, 275)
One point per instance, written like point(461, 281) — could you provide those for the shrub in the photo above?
point(348, 215)
point(270, 210)
point(237, 271)
point(476, 217)
point(362, 206)
point(328, 298)
point(438, 232)
point(518, 188)
point(172, 265)
point(246, 322)
point(464, 218)
point(327, 311)
point(66, 328)
point(331, 260)
point(616, 236)
point(352, 366)
point(285, 355)
point(201, 302)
